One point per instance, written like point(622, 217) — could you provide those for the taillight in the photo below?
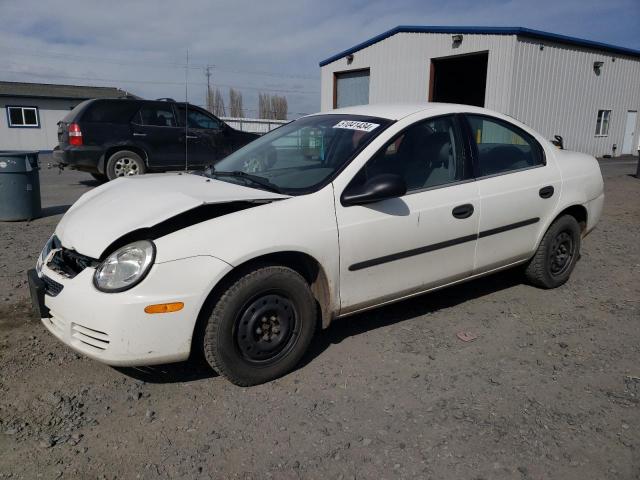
point(75, 135)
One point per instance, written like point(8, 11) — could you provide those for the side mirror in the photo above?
point(380, 187)
point(558, 141)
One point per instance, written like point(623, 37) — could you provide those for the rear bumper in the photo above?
point(85, 158)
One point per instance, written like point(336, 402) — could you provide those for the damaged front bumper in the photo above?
point(113, 328)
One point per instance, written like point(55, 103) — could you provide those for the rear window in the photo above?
point(75, 111)
point(114, 111)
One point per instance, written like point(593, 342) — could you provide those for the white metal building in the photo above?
point(33, 110)
point(587, 92)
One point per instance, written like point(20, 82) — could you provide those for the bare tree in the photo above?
point(272, 107)
point(218, 104)
point(279, 107)
point(235, 103)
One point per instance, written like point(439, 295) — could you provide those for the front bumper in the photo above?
point(113, 327)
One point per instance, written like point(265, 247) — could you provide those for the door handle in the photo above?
point(546, 192)
point(190, 137)
point(463, 211)
point(136, 134)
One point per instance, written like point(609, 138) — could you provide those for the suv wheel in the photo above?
point(260, 326)
point(124, 164)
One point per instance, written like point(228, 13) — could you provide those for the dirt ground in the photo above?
point(548, 390)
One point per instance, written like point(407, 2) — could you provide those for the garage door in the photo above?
point(351, 88)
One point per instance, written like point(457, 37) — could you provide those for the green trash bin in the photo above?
point(19, 186)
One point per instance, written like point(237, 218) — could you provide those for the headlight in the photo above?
point(44, 254)
point(125, 267)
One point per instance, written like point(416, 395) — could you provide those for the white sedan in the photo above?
point(329, 215)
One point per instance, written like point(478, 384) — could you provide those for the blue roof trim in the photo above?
point(524, 32)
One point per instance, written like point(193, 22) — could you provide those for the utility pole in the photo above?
point(209, 97)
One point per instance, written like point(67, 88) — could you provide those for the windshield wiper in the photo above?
point(263, 182)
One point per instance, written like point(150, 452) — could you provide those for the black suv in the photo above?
point(111, 138)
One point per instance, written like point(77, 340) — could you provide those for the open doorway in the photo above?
point(459, 79)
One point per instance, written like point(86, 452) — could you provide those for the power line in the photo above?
point(159, 82)
point(102, 60)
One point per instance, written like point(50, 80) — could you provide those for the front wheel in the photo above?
point(557, 254)
point(260, 326)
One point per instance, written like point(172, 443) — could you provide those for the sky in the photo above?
point(255, 46)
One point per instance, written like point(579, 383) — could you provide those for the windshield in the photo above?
point(301, 156)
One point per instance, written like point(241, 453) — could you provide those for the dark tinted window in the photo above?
point(114, 111)
point(15, 114)
point(503, 147)
point(426, 154)
point(156, 115)
point(197, 119)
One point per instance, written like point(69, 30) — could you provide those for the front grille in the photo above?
point(70, 263)
point(51, 287)
point(89, 336)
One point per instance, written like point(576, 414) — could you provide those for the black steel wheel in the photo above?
point(260, 325)
point(557, 254)
point(267, 328)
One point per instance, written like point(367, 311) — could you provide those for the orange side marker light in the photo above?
point(164, 307)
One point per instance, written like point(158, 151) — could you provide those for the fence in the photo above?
point(254, 125)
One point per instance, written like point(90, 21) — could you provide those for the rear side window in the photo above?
point(503, 147)
point(156, 115)
point(115, 111)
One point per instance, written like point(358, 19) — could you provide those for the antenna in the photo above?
point(186, 113)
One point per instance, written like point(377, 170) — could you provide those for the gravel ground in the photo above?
point(549, 389)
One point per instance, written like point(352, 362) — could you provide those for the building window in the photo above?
point(602, 124)
point(351, 88)
point(23, 117)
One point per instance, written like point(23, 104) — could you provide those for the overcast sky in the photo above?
point(272, 46)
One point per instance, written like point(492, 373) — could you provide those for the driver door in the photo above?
point(207, 140)
point(401, 246)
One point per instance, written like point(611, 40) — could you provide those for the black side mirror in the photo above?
point(380, 187)
point(558, 141)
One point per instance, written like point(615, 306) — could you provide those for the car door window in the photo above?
point(156, 115)
point(502, 147)
point(426, 154)
point(197, 119)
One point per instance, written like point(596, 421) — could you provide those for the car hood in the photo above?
point(110, 211)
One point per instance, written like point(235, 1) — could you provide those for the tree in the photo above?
point(272, 107)
point(215, 102)
point(235, 103)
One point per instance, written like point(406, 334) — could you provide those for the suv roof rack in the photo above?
point(165, 99)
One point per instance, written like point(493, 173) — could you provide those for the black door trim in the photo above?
point(506, 228)
point(438, 246)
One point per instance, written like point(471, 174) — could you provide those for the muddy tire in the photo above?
point(260, 326)
point(557, 254)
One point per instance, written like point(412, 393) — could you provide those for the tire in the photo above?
point(124, 163)
point(99, 177)
point(557, 254)
point(260, 326)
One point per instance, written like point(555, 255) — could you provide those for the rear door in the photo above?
point(518, 190)
point(207, 136)
point(155, 129)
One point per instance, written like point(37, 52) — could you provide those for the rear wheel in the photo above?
point(124, 164)
point(557, 254)
point(260, 326)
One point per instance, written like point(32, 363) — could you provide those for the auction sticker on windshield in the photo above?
point(355, 125)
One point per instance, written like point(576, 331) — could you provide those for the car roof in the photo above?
point(397, 111)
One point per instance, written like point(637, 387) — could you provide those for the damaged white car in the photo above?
point(328, 215)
